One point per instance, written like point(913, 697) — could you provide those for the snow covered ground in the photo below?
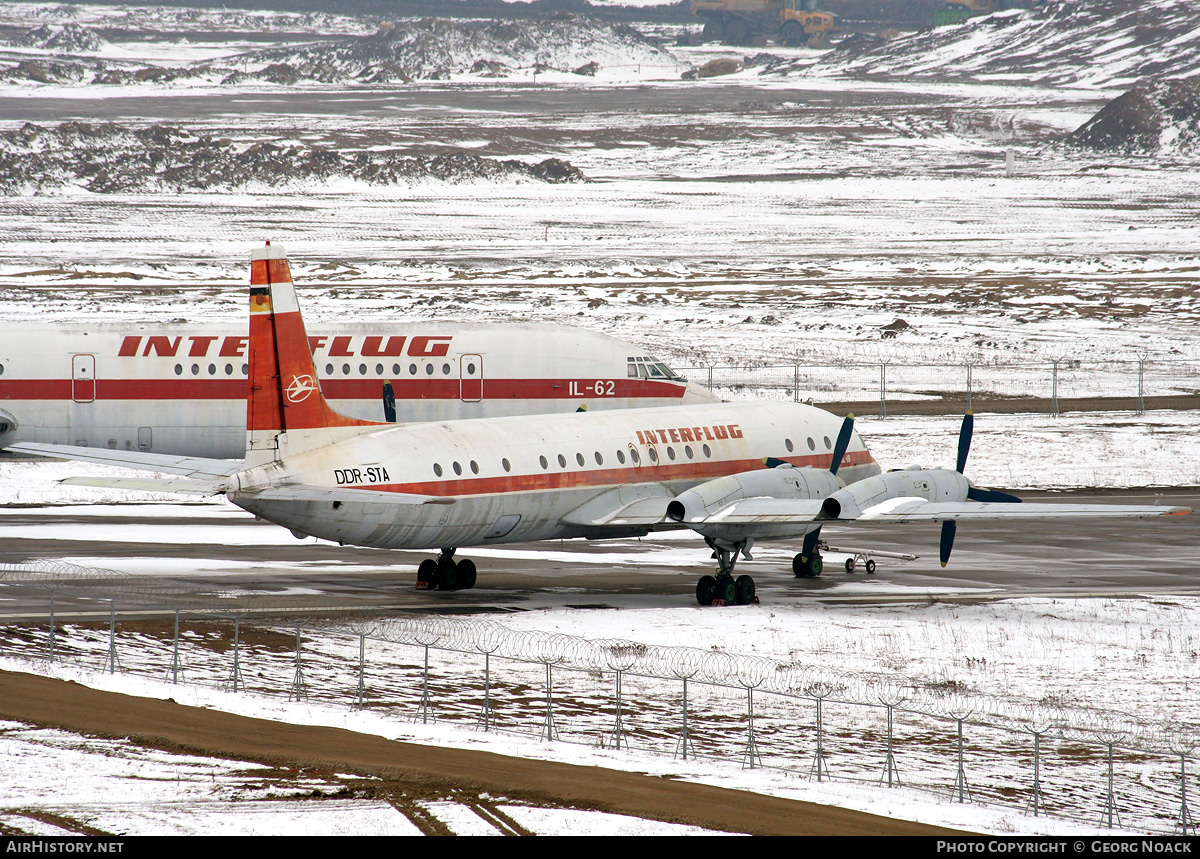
point(744, 219)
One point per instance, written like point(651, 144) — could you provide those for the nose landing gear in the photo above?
point(446, 574)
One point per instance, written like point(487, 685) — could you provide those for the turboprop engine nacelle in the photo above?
point(8, 428)
point(785, 481)
point(932, 484)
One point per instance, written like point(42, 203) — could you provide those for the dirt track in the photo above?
point(411, 771)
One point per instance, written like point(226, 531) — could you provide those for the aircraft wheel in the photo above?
point(744, 586)
point(427, 574)
point(704, 590)
point(849, 565)
point(447, 576)
point(870, 565)
point(798, 568)
point(815, 566)
point(466, 574)
point(724, 591)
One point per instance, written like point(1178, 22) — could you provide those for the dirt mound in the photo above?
point(1060, 43)
point(67, 38)
point(1161, 118)
point(433, 48)
point(110, 158)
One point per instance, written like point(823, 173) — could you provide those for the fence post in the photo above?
point(883, 389)
point(236, 679)
point(175, 651)
point(796, 384)
point(1054, 387)
point(112, 636)
point(298, 678)
point(681, 748)
point(362, 670)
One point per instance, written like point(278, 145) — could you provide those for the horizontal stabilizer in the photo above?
point(183, 485)
point(185, 466)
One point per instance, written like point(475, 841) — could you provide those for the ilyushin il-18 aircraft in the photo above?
point(181, 389)
point(735, 473)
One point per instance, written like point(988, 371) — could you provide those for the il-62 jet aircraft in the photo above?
point(735, 473)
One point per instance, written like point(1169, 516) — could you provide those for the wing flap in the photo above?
point(308, 492)
point(182, 485)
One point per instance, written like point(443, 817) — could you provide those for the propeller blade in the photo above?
point(995, 495)
point(948, 529)
point(964, 440)
point(843, 442)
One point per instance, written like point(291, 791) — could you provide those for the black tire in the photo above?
point(447, 576)
point(744, 586)
point(850, 565)
point(736, 33)
point(427, 574)
point(792, 34)
point(704, 590)
point(466, 574)
point(815, 566)
point(724, 591)
point(799, 570)
point(870, 566)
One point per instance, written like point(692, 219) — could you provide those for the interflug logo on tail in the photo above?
point(300, 388)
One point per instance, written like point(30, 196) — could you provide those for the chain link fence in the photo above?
point(905, 379)
point(1097, 767)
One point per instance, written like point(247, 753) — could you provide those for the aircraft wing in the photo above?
point(902, 510)
point(184, 485)
point(185, 466)
point(765, 510)
point(640, 505)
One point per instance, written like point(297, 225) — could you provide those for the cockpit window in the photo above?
point(645, 367)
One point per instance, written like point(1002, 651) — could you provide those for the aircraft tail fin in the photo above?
point(286, 413)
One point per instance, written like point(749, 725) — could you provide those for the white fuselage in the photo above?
point(519, 479)
point(181, 388)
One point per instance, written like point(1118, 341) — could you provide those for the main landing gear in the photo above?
point(446, 574)
point(807, 567)
point(723, 588)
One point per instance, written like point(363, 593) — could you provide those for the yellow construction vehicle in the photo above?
point(738, 22)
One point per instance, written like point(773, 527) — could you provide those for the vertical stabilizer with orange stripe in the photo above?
point(286, 413)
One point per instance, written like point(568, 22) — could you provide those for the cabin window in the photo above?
point(562, 461)
point(621, 457)
point(579, 458)
point(671, 453)
point(508, 466)
point(245, 369)
point(707, 452)
point(395, 369)
point(345, 369)
point(634, 455)
point(437, 469)
point(828, 446)
point(228, 369)
point(428, 369)
point(544, 463)
point(812, 445)
point(328, 369)
point(471, 368)
point(445, 369)
point(212, 369)
point(195, 369)
point(178, 369)
point(378, 369)
point(474, 467)
point(362, 369)
point(457, 468)
point(687, 448)
point(787, 442)
point(599, 458)
point(412, 369)
point(653, 455)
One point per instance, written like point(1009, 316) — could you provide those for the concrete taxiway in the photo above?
point(206, 558)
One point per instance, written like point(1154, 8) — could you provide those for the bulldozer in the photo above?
point(739, 22)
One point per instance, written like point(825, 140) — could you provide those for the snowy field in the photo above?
point(746, 219)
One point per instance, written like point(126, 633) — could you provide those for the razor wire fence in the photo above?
point(903, 378)
point(1098, 767)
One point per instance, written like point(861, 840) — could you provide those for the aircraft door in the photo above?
point(470, 374)
point(83, 378)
